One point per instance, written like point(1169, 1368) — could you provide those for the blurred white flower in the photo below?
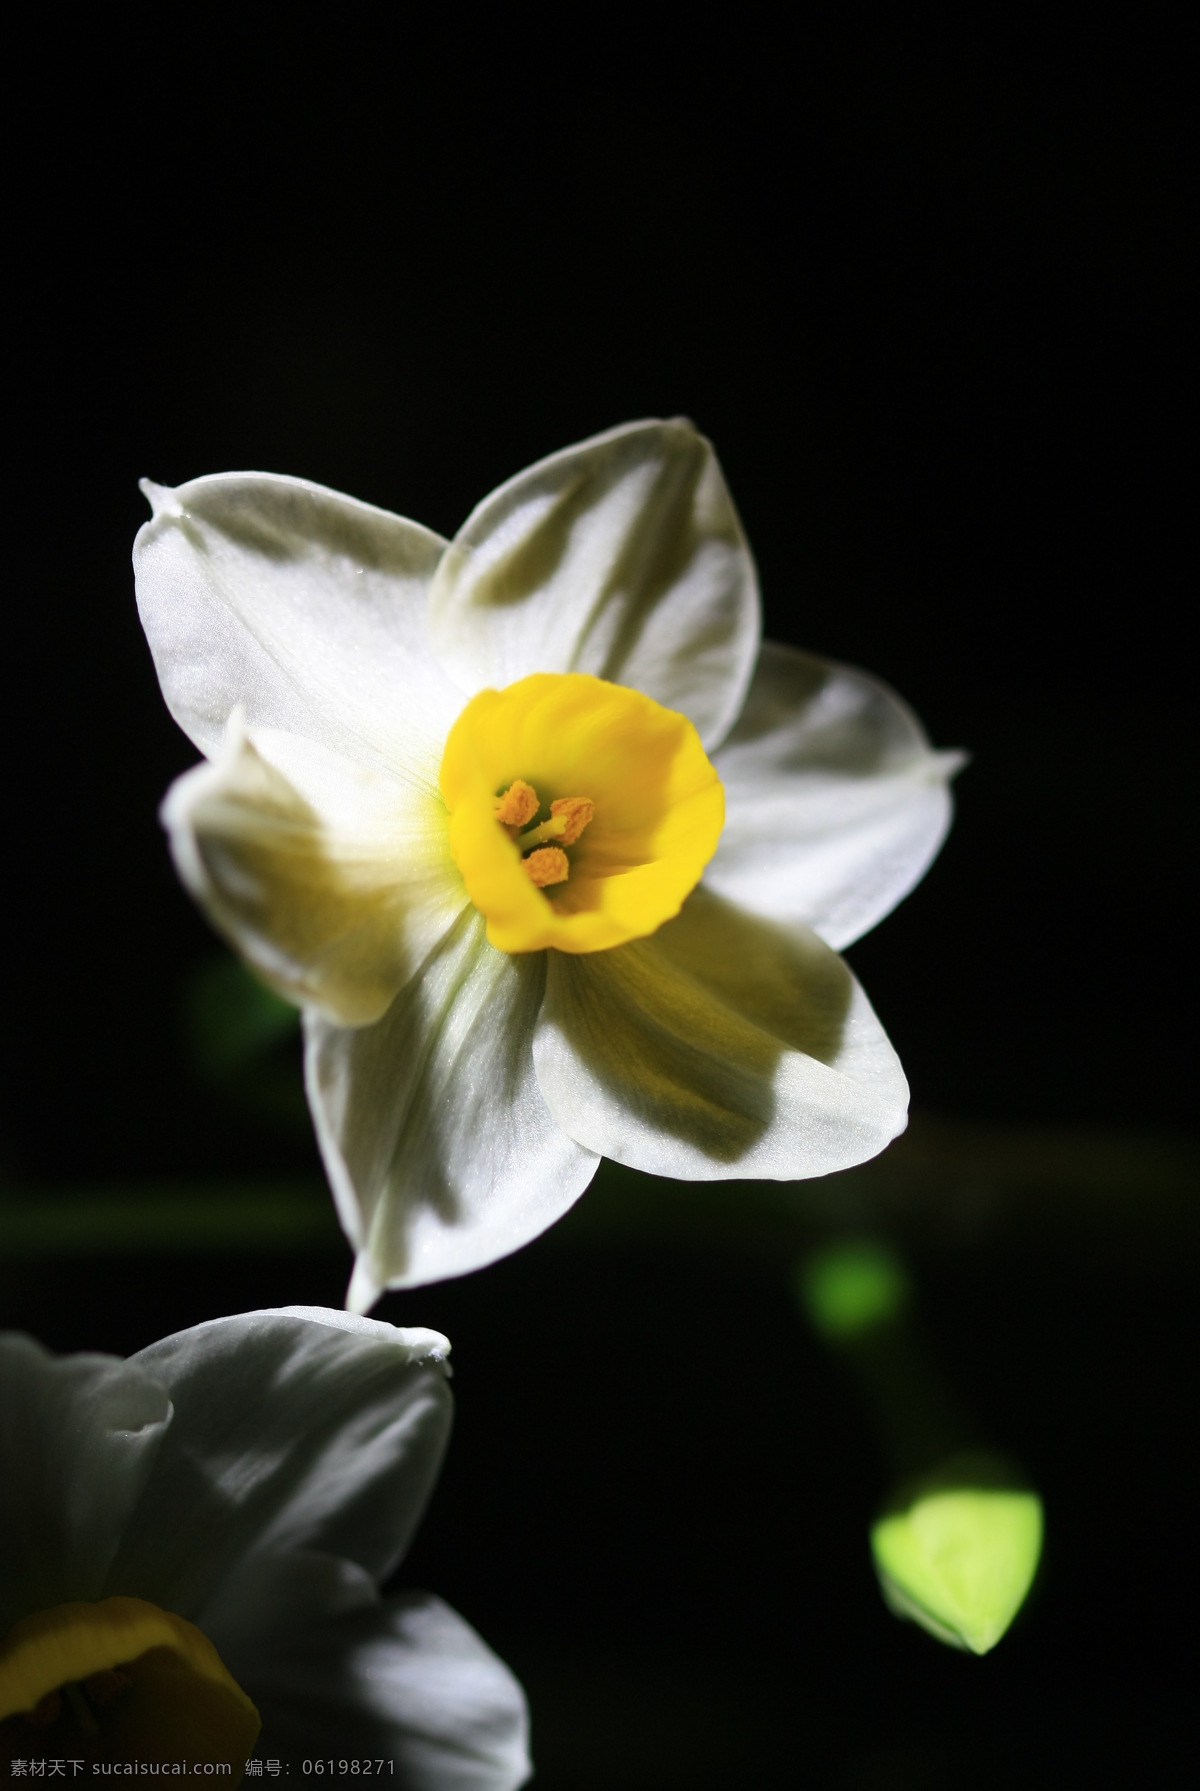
point(555, 857)
point(195, 1538)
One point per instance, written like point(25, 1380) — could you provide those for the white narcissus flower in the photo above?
point(193, 1539)
point(554, 854)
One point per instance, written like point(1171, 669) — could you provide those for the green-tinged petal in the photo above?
point(622, 556)
point(335, 1670)
point(442, 1154)
point(290, 1431)
point(332, 878)
point(79, 1436)
point(304, 606)
point(835, 804)
point(725, 1046)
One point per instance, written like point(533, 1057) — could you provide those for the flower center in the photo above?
point(582, 813)
point(569, 815)
point(120, 1680)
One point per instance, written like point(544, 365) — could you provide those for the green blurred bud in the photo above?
point(243, 1041)
point(851, 1286)
point(231, 1018)
point(957, 1554)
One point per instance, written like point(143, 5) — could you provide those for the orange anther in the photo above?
point(518, 805)
point(549, 864)
point(103, 1687)
point(576, 811)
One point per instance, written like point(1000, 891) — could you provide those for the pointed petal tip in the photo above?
point(161, 498)
point(364, 1290)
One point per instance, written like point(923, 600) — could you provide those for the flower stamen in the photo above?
point(102, 1688)
point(569, 815)
point(47, 1710)
point(575, 812)
point(81, 1710)
point(517, 805)
point(549, 864)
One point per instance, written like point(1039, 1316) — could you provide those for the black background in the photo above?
point(921, 288)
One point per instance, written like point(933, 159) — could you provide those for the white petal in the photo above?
point(333, 878)
point(835, 804)
point(623, 557)
point(336, 1672)
point(288, 1434)
point(274, 1595)
point(440, 1149)
point(430, 1346)
point(79, 1436)
point(306, 607)
point(723, 1046)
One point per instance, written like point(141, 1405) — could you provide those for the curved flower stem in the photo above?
point(944, 1185)
point(857, 1295)
point(957, 1542)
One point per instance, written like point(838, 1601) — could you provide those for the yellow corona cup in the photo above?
point(582, 813)
point(120, 1680)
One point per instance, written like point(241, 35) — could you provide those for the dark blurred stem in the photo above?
point(858, 1296)
point(917, 1420)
